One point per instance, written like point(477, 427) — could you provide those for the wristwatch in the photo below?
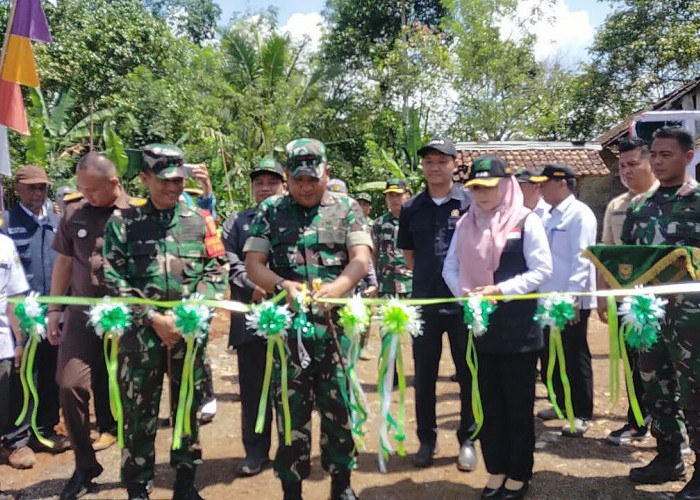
point(278, 286)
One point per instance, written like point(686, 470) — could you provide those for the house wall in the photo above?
point(595, 192)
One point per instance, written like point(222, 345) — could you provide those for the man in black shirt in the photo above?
point(426, 224)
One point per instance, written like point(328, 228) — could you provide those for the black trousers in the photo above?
point(251, 371)
point(578, 367)
point(47, 413)
point(427, 349)
point(13, 436)
point(507, 385)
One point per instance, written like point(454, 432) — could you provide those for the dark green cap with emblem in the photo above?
point(488, 170)
point(268, 166)
point(166, 162)
point(395, 185)
point(306, 157)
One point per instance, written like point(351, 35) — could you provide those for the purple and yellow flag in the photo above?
point(27, 23)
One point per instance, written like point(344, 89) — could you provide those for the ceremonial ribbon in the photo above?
point(303, 327)
point(397, 319)
point(32, 323)
point(476, 317)
point(354, 319)
point(110, 320)
point(554, 312)
point(193, 322)
point(271, 322)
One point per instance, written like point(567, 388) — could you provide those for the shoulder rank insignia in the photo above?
point(137, 202)
point(72, 196)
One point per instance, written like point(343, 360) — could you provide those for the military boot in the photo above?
point(184, 488)
point(137, 491)
point(292, 490)
point(340, 486)
point(691, 491)
point(668, 465)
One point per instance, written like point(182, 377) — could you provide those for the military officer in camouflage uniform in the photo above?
point(395, 278)
point(306, 235)
point(162, 250)
point(670, 370)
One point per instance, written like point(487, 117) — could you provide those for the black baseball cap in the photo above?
point(267, 166)
point(395, 185)
point(488, 170)
point(525, 175)
point(441, 145)
point(557, 171)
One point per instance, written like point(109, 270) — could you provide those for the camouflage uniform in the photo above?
point(304, 244)
point(159, 255)
point(671, 369)
point(395, 278)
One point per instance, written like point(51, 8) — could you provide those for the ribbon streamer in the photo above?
point(303, 327)
point(110, 320)
point(615, 348)
point(193, 322)
point(32, 323)
point(476, 317)
point(354, 319)
point(271, 322)
point(397, 319)
point(554, 312)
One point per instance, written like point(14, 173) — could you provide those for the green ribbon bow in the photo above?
point(193, 323)
point(354, 318)
point(271, 322)
point(641, 320)
point(476, 317)
point(32, 323)
point(110, 320)
point(554, 312)
point(398, 319)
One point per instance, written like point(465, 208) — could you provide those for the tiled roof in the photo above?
point(583, 158)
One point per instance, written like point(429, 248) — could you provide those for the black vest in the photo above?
point(512, 328)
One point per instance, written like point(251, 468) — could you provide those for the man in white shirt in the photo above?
point(571, 227)
point(531, 186)
point(637, 177)
point(12, 284)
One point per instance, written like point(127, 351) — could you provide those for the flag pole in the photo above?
point(8, 31)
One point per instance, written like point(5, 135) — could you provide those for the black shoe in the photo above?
point(424, 457)
point(80, 483)
point(691, 491)
point(137, 491)
point(515, 494)
point(184, 488)
point(340, 486)
point(661, 469)
point(60, 443)
point(491, 492)
point(292, 490)
point(251, 466)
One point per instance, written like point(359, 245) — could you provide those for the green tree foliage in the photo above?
point(195, 19)
point(645, 50)
point(363, 31)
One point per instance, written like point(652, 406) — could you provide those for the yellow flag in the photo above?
point(19, 66)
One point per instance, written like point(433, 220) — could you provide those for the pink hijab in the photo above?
point(482, 235)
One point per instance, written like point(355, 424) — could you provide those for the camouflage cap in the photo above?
point(306, 157)
point(166, 162)
point(363, 196)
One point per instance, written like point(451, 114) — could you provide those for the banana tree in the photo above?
point(55, 136)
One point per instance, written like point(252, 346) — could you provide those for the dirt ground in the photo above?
point(565, 468)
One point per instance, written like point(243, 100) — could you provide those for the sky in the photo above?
point(565, 36)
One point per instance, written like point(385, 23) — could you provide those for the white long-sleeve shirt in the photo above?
point(537, 258)
point(571, 227)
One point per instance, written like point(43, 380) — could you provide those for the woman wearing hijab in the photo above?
point(500, 248)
